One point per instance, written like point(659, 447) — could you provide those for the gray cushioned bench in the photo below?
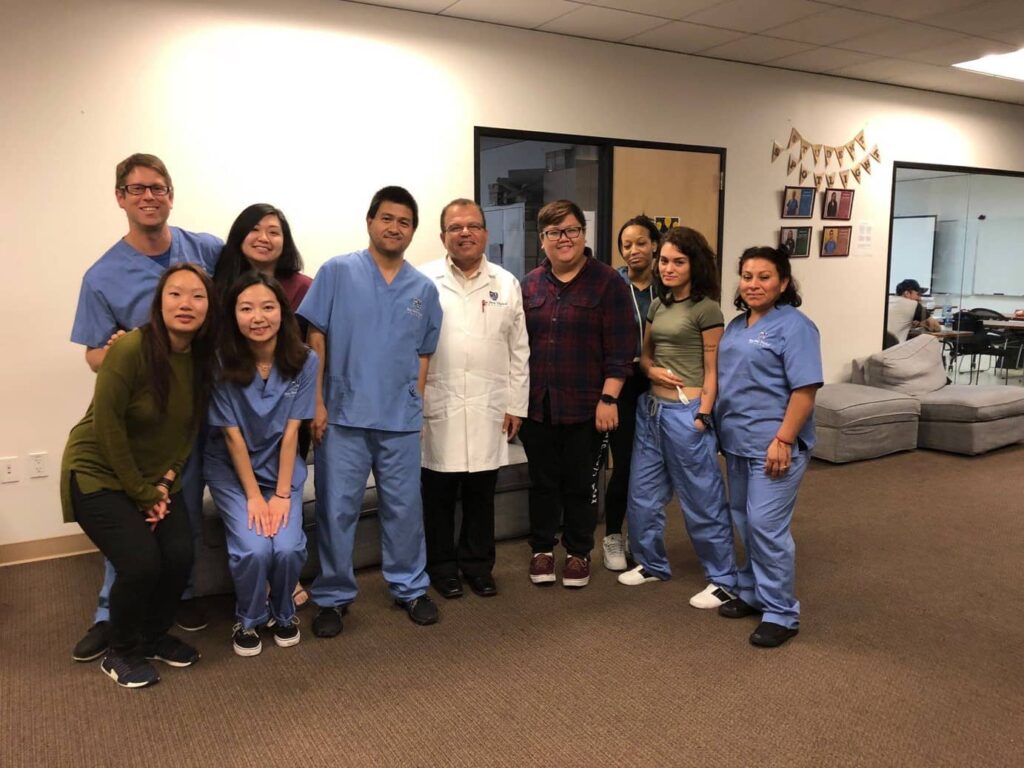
point(855, 422)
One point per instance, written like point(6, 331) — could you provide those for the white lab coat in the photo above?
point(479, 372)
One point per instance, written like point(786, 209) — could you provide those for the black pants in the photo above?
point(474, 555)
point(563, 484)
point(152, 566)
point(621, 441)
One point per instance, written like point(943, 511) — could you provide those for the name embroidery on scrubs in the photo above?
point(293, 389)
point(415, 308)
point(761, 340)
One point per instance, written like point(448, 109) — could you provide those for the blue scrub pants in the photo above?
point(670, 453)
point(255, 560)
point(762, 509)
point(192, 486)
point(343, 461)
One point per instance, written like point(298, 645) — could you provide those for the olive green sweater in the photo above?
point(124, 443)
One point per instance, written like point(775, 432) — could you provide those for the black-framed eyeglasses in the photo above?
point(456, 229)
point(158, 190)
point(554, 235)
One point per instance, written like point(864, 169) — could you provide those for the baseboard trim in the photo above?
point(45, 549)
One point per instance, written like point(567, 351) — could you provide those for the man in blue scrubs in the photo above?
point(373, 321)
point(116, 295)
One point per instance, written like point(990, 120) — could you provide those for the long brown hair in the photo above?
point(238, 364)
point(156, 345)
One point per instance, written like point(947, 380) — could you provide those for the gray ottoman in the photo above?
point(854, 422)
point(971, 419)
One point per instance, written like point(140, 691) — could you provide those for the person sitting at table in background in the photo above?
point(906, 311)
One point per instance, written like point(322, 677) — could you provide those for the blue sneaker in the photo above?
point(129, 672)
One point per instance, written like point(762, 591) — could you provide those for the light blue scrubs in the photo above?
point(261, 411)
point(117, 294)
point(375, 335)
point(758, 369)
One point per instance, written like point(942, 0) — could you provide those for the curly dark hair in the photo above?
point(780, 258)
point(703, 267)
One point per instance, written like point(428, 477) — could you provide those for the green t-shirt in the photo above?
point(676, 331)
point(124, 443)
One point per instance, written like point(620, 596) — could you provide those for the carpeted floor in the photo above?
point(910, 655)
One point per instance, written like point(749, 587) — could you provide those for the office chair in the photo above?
point(978, 344)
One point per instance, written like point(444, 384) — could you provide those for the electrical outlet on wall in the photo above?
point(9, 469)
point(37, 464)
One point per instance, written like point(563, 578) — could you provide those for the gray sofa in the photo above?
point(958, 418)
point(211, 571)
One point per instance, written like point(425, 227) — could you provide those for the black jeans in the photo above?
point(563, 484)
point(152, 566)
point(474, 555)
point(621, 441)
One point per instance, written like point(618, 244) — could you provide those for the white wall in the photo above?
point(314, 104)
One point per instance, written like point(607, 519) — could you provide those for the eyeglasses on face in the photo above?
point(456, 229)
point(554, 235)
point(158, 190)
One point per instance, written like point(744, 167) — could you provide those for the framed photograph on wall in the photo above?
point(797, 240)
point(835, 241)
point(837, 204)
point(798, 202)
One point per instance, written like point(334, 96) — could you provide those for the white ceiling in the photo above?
point(900, 42)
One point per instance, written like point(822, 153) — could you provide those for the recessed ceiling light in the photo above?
point(1008, 65)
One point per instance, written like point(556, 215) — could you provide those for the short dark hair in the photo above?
point(237, 361)
point(780, 258)
point(397, 195)
point(703, 266)
point(140, 159)
point(552, 213)
point(232, 261)
point(463, 201)
point(646, 223)
point(909, 285)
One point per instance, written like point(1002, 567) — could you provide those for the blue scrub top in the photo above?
point(117, 291)
point(758, 368)
point(261, 410)
point(375, 335)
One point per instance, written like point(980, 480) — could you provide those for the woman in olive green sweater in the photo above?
point(119, 476)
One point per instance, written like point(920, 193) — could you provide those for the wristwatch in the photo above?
point(709, 423)
point(609, 399)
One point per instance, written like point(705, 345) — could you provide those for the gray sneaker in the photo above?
point(614, 552)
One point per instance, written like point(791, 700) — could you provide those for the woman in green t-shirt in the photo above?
point(121, 467)
point(675, 447)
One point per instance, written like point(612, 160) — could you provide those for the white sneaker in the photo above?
point(614, 552)
point(636, 576)
point(711, 596)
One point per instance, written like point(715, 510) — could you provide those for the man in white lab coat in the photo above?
point(476, 397)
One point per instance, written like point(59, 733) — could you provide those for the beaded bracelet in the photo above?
point(278, 495)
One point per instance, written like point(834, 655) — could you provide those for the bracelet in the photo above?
point(164, 483)
point(784, 442)
point(278, 495)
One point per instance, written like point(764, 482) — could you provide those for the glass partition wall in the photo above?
point(959, 232)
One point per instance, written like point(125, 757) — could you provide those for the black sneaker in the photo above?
point(286, 633)
point(736, 609)
point(771, 635)
point(328, 622)
point(246, 641)
point(129, 671)
point(94, 644)
point(420, 609)
point(173, 652)
point(190, 616)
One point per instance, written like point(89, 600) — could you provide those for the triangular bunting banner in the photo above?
point(876, 154)
point(831, 179)
point(794, 138)
point(776, 151)
point(859, 138)
point(816, 149)
point(829, 151)
point(818, 178)
point(866, 164)
point(803, 174)
point(850, 149)
point(790, 165)
point(856, 173)
point(844, 176)
point(804, 146)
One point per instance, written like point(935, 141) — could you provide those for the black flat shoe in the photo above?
point(483, 586)
point(328, 622)
point(449, 587)
point(771, 635)
point(736, 609)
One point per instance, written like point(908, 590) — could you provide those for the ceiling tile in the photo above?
point(899, 38)
point(998, 19)
point(756, 49)
point(821, 60)
point(668, 9)
point(522, 13)
point(754, 15)
point(905, 9)
point(880, 69)
point(684, 37)
point(829, 27)
point(601, 23)
point(425, 6)
point(965, 49)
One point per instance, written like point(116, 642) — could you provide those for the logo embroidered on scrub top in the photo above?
point(761, 340)
point(293, 389)
point(415, 308)
point(493, 295)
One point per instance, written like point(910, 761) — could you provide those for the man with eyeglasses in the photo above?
point(579, 317)
point(374, 321)
point(476, 396)
point(115, 297)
